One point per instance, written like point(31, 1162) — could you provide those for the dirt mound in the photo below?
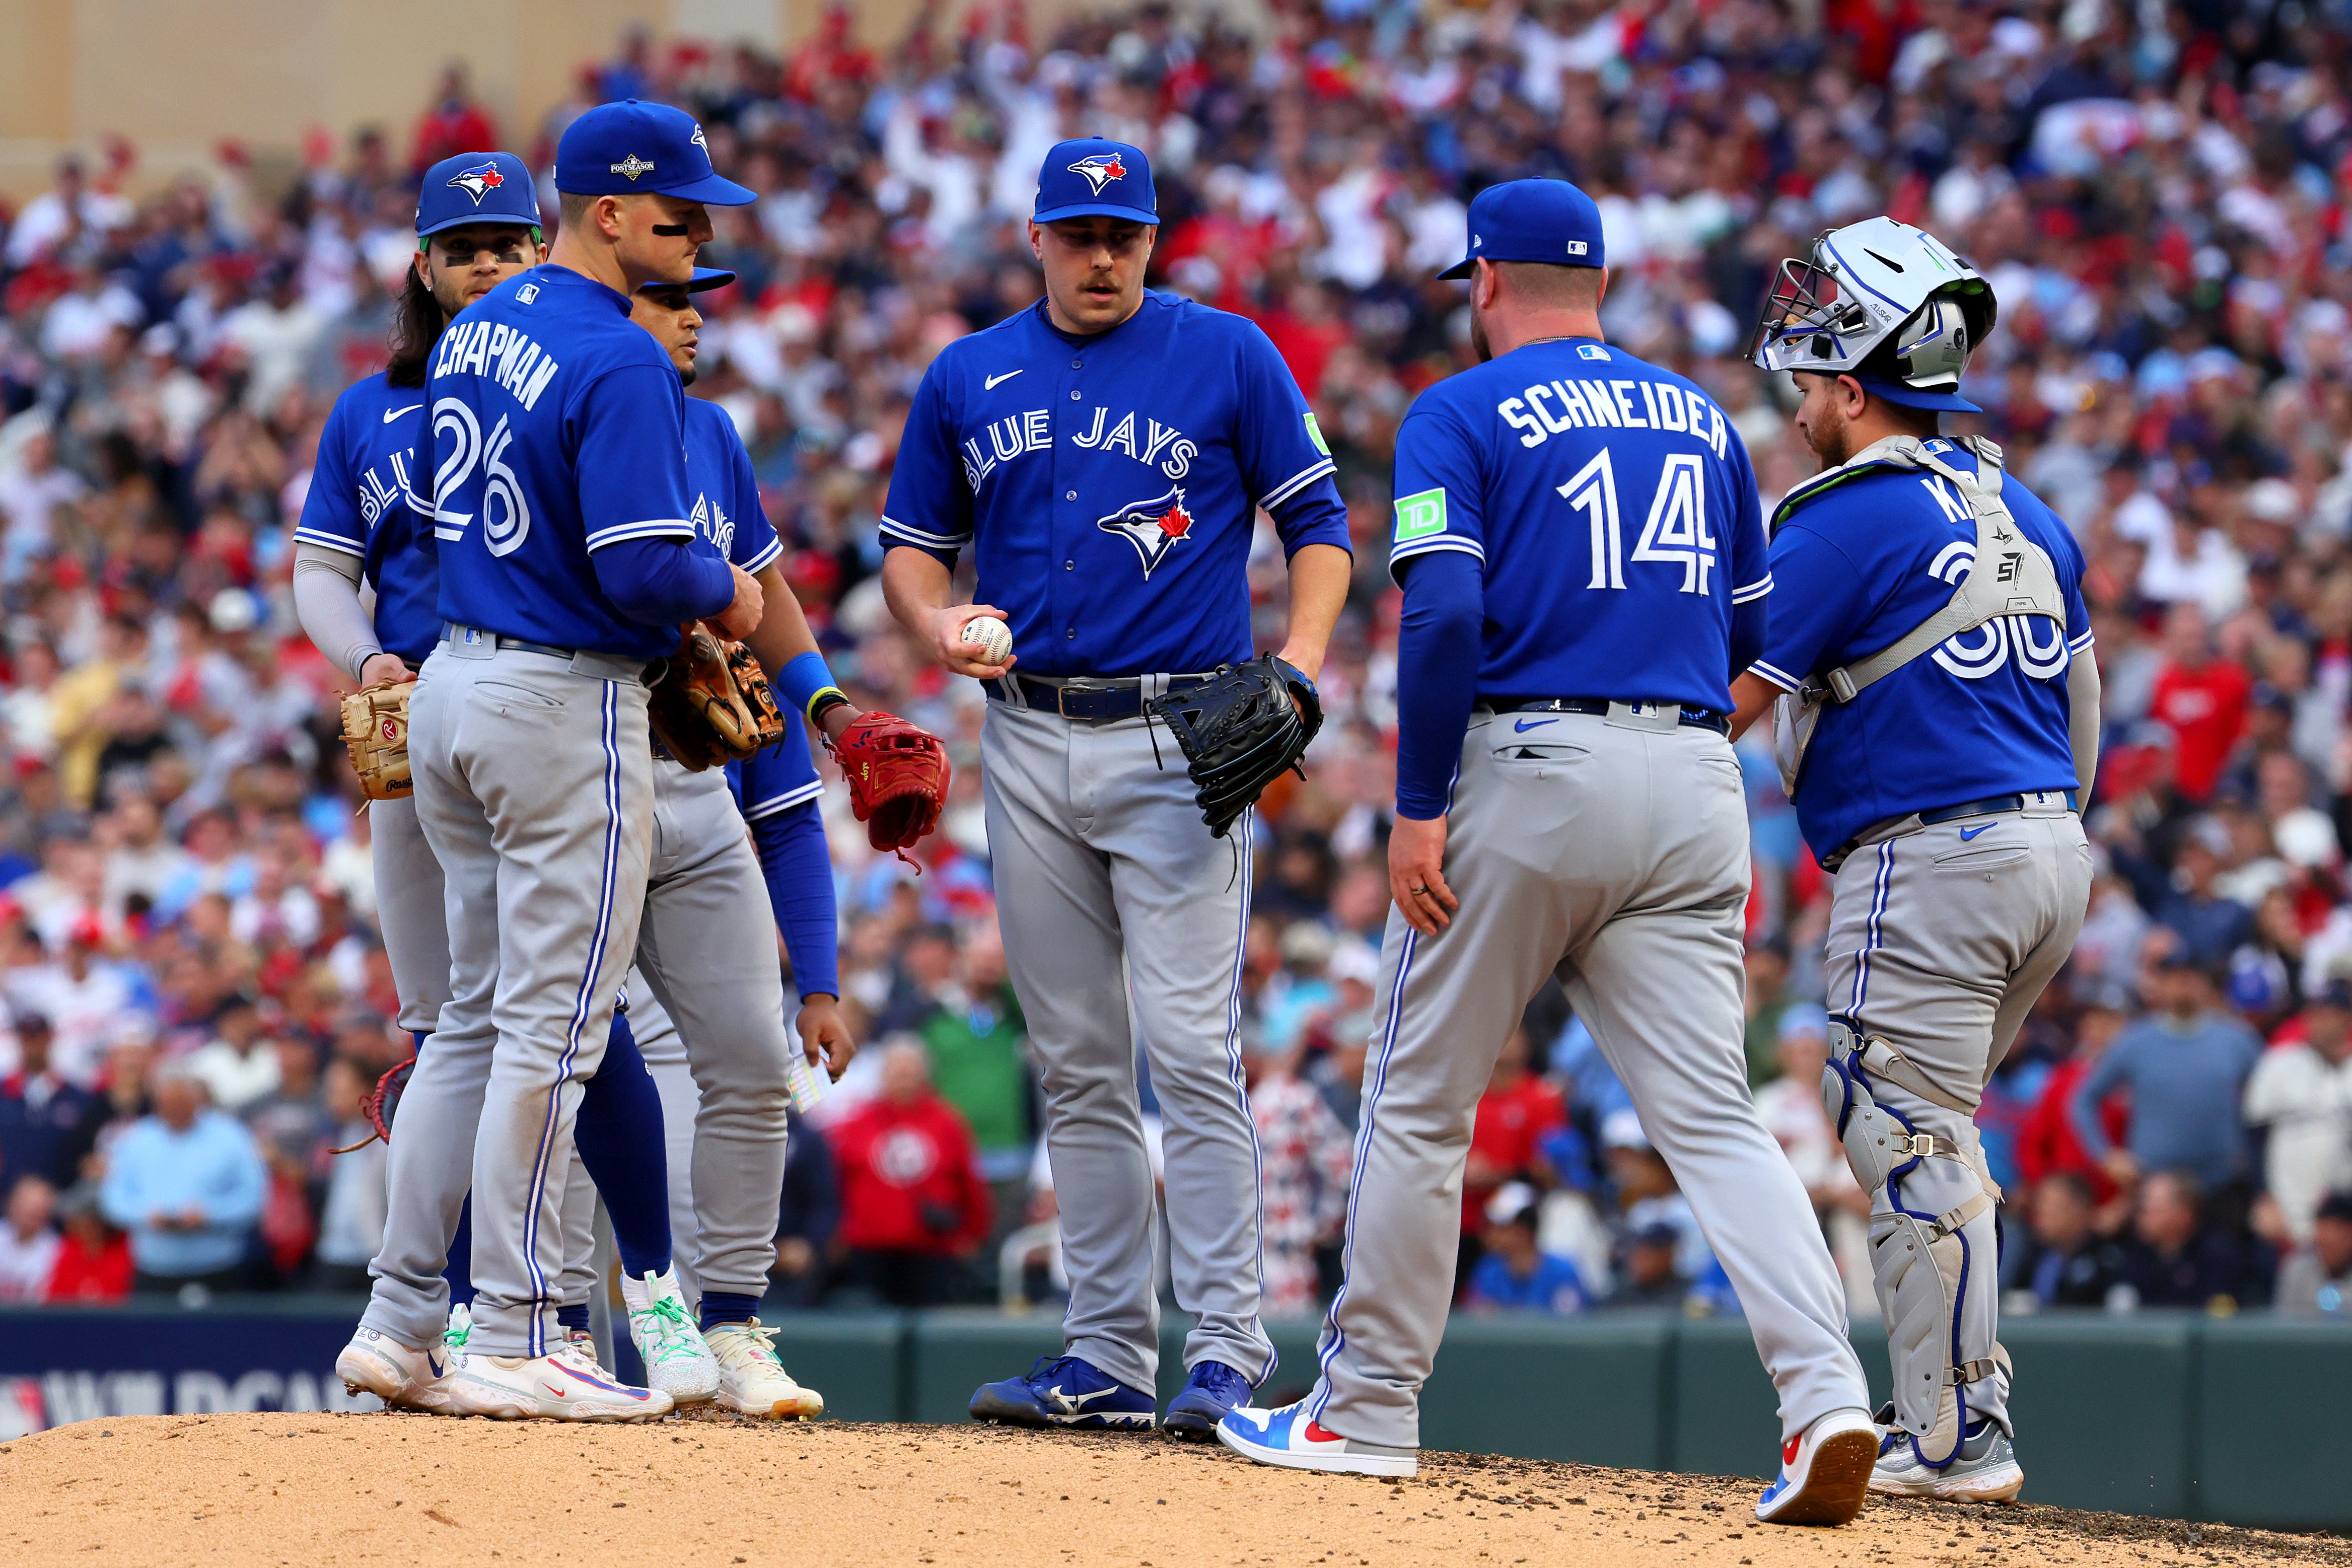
point(340, 1488)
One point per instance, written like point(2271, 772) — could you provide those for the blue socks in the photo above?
point(573, 1317)
point(727, 1307)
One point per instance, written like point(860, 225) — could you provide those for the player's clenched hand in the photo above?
point(945, 628)
point(384, 667)
point(825, 1036)
point(740, 620)
point(1417, 875)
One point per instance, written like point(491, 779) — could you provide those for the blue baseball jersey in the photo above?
point(558, 430)
point(776, 779)
point(358, 503)
point(1862, 559)
point(1108, 485)
point(1614, 511)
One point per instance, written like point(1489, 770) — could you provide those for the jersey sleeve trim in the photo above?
point(1291, 486)
point(766, 557)
point(784, 802)
point(897, 529)
point(2083, 643)
point(330, 541)
point(1778, 677)
point(651, 528)
point(1755, 590)
point(1426, 546)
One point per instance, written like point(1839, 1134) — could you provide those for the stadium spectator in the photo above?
point(1304, 1159)
point(807, 1219)
point(2046, 1144)
point(47, 1126)
point(1513, 1113)
point(2184, 1067)
point(2317, 1281)
point(2060, 1260)
point(93, 1264)
point(28, 1242)
point(453, 124)
point(2302, 1092)
point(2173, 1259)
point(351, 1210)
point(979, 1059)
point(914, 1204)
point(188, 1185)
point(1514, 1274)
point(1648, 1275)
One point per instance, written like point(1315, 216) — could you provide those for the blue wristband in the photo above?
point(803, 680)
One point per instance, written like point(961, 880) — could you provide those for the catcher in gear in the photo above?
point(1239, 730)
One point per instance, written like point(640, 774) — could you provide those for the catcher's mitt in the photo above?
point(898, 778)
point(1239, 730)
point(381, 1104)
point(713, 705)
point(375, 733)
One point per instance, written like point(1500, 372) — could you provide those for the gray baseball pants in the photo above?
point(1941, 939)
point(1123, 919)
point(1612, 852)
point(408, 909)
point(534, 785)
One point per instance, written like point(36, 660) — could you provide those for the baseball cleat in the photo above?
point(562, 1385)
point(1296, 1441)
point(460, 1330)
point(1067, 1393)
point(678, 1360)
point(1213, 1392)
point(1825, 1471)
point(751, 1381)
point(403, 1379)
point(1984, 1470)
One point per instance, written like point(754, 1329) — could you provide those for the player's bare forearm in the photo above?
point(1751, 697)
point(1320, 575)
point(783, 635)
point(917, 587)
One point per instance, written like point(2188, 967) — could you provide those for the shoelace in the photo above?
point(749, 1339)
point(668, 1332)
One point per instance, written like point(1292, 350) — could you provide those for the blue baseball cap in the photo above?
point(1093, 177)
point(475, 187)
point(1532, 220)
point(1887, 388)
point(620, 149)
point(704, 278)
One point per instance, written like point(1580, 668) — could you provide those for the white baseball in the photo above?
point(991, 635)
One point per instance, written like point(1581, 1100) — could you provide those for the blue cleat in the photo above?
point(1066, 1392)
point(1825, 1471)
point(1212, 1392)
point(1294, 1440)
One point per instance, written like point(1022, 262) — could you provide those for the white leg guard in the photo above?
point(1932, 1246)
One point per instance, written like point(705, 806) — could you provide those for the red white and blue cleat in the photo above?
point(1294, 1439)
point(1825, 1471)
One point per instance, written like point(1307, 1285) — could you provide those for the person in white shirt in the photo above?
point(28, 1242)
point(2302, 1093)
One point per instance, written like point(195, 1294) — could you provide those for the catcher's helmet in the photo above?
point(1884, 302)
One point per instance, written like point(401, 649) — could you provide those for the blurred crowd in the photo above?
point(196, 1000)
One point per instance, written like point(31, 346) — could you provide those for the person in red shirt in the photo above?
point(2046, 1143)
point(454, 123)
point(914, 1204)
point(93, 1264)
point(2201, 699)
point(1517, 1109)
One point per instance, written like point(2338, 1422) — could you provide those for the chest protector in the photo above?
point(2011, 576)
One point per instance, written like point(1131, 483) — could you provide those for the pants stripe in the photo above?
point(1880, 886)
point(1242, 831)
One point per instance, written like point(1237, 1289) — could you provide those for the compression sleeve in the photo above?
point(799, 873)
point(327, 603)
point(1438, 652)
point(661, 582)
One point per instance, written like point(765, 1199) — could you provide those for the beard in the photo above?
point(1830, 439)
point(1478, 343)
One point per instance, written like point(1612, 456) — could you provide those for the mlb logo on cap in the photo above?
point(1092, 177)
point(1533, 220)
point(619, 149)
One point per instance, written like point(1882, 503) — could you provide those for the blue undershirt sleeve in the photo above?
point(1438, 653)
point(661, 582)
point(799, 873)
point(1748, 622)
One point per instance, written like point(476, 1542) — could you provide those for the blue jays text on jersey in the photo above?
point(1109, 485)
point(557, 430)
point(358, 504)
point(1613, 509)
point(1862, 557)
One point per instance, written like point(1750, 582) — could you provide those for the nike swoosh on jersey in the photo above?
point(988, 383)
point(1524, 725)
point(396, 413)
point(1968, 833)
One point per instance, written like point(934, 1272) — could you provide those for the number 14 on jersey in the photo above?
point(1675, 534)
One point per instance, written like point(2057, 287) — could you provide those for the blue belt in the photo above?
point(1991, 805)
point(1695, 718)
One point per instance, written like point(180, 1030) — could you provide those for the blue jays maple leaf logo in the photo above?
point(1100, 170)
point(479, 181)
point(1154, 527)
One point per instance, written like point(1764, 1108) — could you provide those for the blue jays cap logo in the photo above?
point(479, 181)
point(698, 141)
point(1100, 169)
point(1154, 527)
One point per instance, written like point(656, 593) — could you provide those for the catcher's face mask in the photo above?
point(1807, 320)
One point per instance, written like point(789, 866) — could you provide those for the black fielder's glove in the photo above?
point(1239, 730)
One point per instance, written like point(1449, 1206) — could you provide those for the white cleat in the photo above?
point(460, 1330)
point(1984, 1470)
point(1291, 1437)
point(1825, 1471)
point(752, 1382)
point(678, 1361)
point(562, 1385)
point(403, 1379)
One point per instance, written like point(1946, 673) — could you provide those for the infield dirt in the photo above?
point(347, 1488)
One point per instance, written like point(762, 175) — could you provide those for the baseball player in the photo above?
point(1104, 455)
point(561, 514)
point(477, 222)
point(1582, 558)
point(1939, 724)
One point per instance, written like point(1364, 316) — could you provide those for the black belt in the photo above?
point(1991, 805)
point(1086, 701)
point(449, 630)
point(1695, 718)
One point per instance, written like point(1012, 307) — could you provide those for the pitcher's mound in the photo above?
point(346, 1489)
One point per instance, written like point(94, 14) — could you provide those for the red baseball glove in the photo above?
point(898, 779)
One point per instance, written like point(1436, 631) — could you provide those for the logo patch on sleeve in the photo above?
point(1315, 433)
point(1419, 516)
